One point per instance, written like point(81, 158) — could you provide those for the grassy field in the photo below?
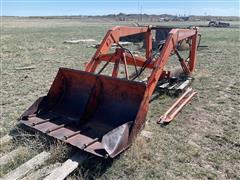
point(203, 142)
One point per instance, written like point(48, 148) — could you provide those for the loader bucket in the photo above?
point(92, 112)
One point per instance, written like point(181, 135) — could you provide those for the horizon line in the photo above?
point(118, 14)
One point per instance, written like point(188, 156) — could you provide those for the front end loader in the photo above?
point(102, 114)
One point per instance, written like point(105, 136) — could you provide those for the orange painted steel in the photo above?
point(172, 112)
point(103, 114)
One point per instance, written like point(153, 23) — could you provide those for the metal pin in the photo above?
point(44, 121)
point(33, 115)
point(28, 116)
point(71, 135)
point(75, 133)
point(60, 126)
point(84, 146)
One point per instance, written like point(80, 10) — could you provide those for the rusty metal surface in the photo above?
point(177, 106)
point(116, 140)
point(81, 108)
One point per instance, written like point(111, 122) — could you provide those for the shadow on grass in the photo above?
point(93, 168)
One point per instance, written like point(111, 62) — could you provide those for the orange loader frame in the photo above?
point(103, 114)
point(123, 57)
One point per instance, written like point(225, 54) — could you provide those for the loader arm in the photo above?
point(113, 36)
point(174, 37)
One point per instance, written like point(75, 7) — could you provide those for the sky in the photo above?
point(104, 7)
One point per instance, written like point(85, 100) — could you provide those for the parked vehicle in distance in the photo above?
point(218, 24)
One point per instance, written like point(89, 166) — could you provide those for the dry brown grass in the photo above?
point(202, 142)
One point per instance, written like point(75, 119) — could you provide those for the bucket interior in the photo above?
point(92, 104)
point(98, 101)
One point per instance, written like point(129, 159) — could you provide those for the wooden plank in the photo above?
point(42, 172)
point(79, 41)
point(5, 139)
point(9, 157)
point(25, 68)
point(27, 167)
point(67, 167)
